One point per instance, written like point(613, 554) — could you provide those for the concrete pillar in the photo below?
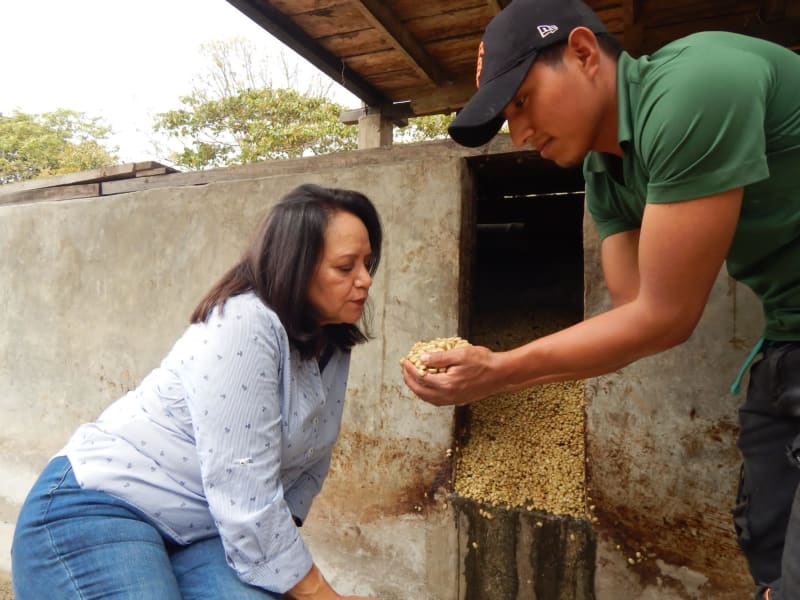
point(374, 130)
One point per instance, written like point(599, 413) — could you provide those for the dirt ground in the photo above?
point(5, 588)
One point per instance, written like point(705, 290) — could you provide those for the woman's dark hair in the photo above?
point(281, 260)
point(553, 55)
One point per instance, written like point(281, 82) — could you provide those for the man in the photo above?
point(691, 157)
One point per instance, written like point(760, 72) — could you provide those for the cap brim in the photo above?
point(482, 117)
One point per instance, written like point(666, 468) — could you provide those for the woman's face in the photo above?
point(339, 287)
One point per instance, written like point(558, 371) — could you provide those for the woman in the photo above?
point(193, 485)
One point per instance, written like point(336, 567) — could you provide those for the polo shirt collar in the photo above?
point(596, 162)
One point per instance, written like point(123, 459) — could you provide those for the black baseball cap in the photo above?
point(510, 44)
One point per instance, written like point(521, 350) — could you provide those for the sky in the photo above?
point(123, 62)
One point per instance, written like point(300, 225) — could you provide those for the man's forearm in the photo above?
point(594, 347)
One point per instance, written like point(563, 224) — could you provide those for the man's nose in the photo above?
point(520, 132)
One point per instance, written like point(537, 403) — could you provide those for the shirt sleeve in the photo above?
point(608, 212)
point(702, 128)
point(235, 404)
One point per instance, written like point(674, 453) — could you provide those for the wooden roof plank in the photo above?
point(338, 19)
point(354, 43)
point(772, 10)
point(392, 80)
point(433, 9)
point(374, 63)
point(63, 192)
point(288, 32)
point(457, 54)
point(633, 32)
point(470, 21)
point(396, 47)
point(494, 6)
point(291, 8)
point(111, 172)
point(785, 32)
point(444, 99)
point(404, 9)
point(692, 13)
point(598, 5)
point(383, 18)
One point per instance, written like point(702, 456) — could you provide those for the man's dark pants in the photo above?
point(767, 513)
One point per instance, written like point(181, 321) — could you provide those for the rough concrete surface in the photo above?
point(97, 290)
point(124, 273)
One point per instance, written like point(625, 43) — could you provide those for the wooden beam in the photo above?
point(784, 31)
point(62, 192)
point(397, 112)
point(285, 30)
point(121, 171)
point(113, 172)
point(494, 6)
point(444, 99)
point(772, 10)
point(382, 18)
point(155, 171)
point(633, 28)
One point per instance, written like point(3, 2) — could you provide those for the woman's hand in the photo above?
point(473, 373)
point(315, 587)
point(312, 587)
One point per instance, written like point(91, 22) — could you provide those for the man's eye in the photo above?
point(520, 102)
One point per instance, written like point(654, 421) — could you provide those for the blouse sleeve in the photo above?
point(235, 405)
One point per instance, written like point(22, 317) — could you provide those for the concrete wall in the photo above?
point(661, 452)
point(94, 292)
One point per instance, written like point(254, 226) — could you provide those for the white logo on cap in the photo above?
point(545, 30)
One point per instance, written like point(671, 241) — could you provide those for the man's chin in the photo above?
point(568, 162)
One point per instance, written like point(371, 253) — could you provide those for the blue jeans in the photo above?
point(70, 543)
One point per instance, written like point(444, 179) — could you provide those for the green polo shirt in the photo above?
point(708, 113)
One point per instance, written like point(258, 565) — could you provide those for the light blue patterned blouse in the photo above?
point(232, 434)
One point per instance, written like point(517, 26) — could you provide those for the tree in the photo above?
point(236, 114)
point(245, 109)
point(63, 141)
point(432, 127)
point(253, 125)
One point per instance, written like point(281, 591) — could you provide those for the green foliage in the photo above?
point(247, 108)
point(433, 127)
point(251, 125)
point(63, 141)
point(238, 114)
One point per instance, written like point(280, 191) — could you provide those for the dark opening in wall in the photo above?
point(520, 463)
point(529, 241)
